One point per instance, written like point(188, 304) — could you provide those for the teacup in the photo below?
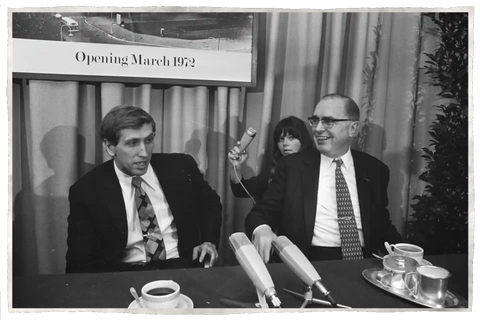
point(428, 284)
point(161, 294)
point(407, 250)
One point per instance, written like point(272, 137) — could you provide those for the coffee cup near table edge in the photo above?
point(161, 294)
point(429, 284)
point(408, 250)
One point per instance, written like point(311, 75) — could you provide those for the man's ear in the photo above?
point(354, 128)
point(110, 148)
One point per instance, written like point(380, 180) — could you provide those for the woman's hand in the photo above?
point(236, 157)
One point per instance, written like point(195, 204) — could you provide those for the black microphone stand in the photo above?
point(308, 298)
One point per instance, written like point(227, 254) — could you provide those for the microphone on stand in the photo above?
point(255, 268)
point(300, 265)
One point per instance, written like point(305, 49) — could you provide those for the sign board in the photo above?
point(175, 48)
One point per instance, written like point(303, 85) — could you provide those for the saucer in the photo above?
point(423, 263)
point(184, 302)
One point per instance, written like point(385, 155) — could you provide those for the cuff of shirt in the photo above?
point(257, 228)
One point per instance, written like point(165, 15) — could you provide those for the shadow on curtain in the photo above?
point(375, 58)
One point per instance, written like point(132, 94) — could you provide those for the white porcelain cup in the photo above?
point(408, 250)
point(161, 294)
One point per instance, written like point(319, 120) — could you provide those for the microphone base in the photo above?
point(308, 299)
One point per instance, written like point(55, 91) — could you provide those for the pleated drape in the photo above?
point(375, 58)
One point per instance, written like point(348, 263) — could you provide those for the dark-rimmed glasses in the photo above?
point(326, 122)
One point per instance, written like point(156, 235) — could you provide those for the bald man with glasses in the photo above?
point(330, 201)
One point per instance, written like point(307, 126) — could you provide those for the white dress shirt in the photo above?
point(135, 249)
point(326, 232)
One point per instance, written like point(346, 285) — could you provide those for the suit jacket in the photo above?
point(256, 186)
point(290, 202)
point(97, 224)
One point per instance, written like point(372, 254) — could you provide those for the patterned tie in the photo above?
point(154, 246)
point(350, 241)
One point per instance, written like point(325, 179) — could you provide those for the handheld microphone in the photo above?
point(247, 138)
point(300, 265)
point(253, 265)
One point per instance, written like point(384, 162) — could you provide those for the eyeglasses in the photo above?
point(326, 122)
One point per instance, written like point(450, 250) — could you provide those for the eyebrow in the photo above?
point(151, 135)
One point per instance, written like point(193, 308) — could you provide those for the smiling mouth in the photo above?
point(322, 138)
point(141, 163)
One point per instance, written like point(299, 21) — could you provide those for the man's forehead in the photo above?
point(136, 133)
point(330, 108)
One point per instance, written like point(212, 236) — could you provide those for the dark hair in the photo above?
point(290, 126)
point(351, 108)
point(123, 117)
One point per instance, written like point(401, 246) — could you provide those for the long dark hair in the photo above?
point(290, 126)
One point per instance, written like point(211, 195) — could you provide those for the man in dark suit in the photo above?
point(169, 218)
point(301, 200)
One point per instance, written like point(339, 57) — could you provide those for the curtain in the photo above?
point(375, 58)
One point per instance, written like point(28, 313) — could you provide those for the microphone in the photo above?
point(254, 266)
point(247, 139)
point(300, 265)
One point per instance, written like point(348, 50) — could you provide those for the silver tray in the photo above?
point(452, 300)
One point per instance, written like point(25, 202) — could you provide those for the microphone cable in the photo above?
point(239, 181)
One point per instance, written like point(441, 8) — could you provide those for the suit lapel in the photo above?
point(363, 189)
point(114, 199)
point(310, 176)
point(168, 188)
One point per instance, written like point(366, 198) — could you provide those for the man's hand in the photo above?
point(263, 237)
point(202, 250)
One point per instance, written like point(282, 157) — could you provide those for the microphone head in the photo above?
point(254, 266)
point(250, 261)
point(294, 258)
point(238, 240)
point(281, 243)
point(251, 132)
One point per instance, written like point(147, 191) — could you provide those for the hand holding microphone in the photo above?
point(253, 265)
point(300, 265)
point(238, 155)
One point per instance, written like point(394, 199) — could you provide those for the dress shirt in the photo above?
point(135, 249)
point(326, 232)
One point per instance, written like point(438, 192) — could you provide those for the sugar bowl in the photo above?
point(393, 269)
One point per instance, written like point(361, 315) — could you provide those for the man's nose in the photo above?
point(142, 150)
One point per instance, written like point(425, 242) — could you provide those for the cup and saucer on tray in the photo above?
point(424, 285)
point(406, 274)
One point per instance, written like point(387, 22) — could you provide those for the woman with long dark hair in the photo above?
point(290, 136)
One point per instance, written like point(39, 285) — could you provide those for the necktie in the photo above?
point(350, 241)
point(152, 237)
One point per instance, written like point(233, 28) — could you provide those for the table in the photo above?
point(206, 287)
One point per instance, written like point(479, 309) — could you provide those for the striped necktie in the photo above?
point(350, 241)
point(152, 237)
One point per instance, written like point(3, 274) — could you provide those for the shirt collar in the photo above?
point(126, 180)
point(346, 158)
